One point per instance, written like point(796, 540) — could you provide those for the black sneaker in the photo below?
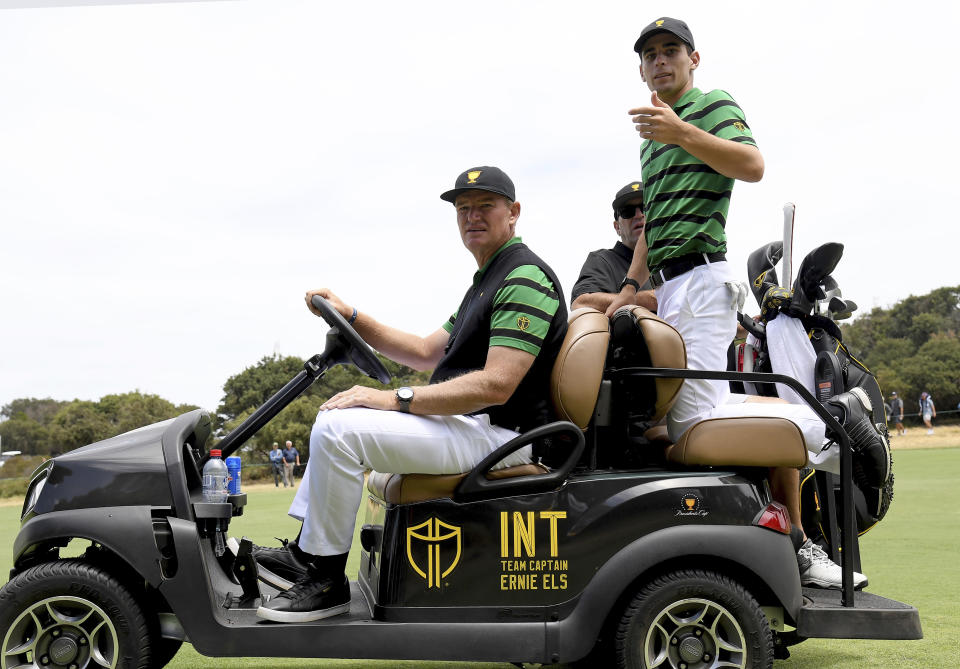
point(871, 450)
point(280, 567)
point(311, 598)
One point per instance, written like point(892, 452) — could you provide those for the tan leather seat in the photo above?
point(409, 488)
point(741, 442)
point(719, 442)
point(575, 384)
point(578, 370)
point(666, 349)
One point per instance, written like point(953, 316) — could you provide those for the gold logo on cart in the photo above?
point(429, 536)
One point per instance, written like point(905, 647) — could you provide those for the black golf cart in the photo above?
point(617, 549)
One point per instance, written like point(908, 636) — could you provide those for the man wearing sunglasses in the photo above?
point(605, 270)
point(696, 146)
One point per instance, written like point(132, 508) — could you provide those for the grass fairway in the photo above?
point(911, 556)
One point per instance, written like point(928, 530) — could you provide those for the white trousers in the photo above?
point(702, 305)
point(344, 443)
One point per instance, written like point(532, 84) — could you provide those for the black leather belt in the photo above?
point(674, 267)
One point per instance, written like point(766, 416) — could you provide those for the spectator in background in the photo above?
point(896, 412)
point(927, 410)
point(276, 464)
point(291, 458)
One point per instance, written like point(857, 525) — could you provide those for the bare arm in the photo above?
point(638, 271)
point(490, 386)
point(601, 301)
point(420, 353)
point(731, 159)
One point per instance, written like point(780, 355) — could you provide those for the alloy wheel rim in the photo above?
point(61, 633)
point(694, 634)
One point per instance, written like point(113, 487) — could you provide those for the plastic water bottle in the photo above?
point(233, 466)
point(215, 477)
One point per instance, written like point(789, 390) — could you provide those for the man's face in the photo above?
point(629, 229)
point(486, 221)
point(666, 67)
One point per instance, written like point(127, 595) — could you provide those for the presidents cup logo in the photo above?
point(473, 176)
point(635, 186)
point(424, 550)
point(691, 505)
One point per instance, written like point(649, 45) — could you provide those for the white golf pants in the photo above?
point(344, 443)
point(702, 305)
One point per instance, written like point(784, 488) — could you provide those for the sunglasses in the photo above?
point(629, 210)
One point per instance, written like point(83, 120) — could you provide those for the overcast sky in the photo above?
point(173, 177)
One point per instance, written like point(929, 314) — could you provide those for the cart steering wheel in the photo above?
point(355, 349)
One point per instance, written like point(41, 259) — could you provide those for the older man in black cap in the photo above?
point(604, 271)
point(492, 361)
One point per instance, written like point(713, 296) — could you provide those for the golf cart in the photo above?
point(616, 549)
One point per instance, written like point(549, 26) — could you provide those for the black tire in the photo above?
point(69, 614)
point(693, 619)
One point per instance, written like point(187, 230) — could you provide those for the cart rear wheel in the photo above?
point(694, 619)
point(71, 615)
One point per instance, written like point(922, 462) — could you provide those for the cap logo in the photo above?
point(659, 23)
point(473, 176)
point(635, 186)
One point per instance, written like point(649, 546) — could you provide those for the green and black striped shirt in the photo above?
point(522, 308)
point(686, 200)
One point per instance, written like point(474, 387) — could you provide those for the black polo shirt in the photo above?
point(603, 271)
point(493, 313)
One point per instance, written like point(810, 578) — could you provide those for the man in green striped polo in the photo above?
point(491, 366)
point(696, 146)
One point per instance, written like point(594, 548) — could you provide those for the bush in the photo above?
point(13, 487)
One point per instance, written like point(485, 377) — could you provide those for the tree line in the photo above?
point(51, 427)
point(911, 347)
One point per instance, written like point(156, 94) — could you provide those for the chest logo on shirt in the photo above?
point(473, 176)
point(523, 323)
point(739, 126)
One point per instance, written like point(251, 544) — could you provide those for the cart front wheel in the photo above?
point(71, 615)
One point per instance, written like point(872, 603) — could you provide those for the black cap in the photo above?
point(628, 192)
point(486, 178)
point(665, 25)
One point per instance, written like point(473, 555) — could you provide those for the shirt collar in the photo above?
point(479, 272)
point(688, 97)
point(623, 250)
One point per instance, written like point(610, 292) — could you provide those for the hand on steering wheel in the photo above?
point(329, 296)
point(356, 350)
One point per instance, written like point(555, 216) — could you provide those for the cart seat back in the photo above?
point(578, 370)
point(574, 386)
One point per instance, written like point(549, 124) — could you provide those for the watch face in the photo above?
point(404, 394)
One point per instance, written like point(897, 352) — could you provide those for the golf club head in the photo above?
point(761, 270)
